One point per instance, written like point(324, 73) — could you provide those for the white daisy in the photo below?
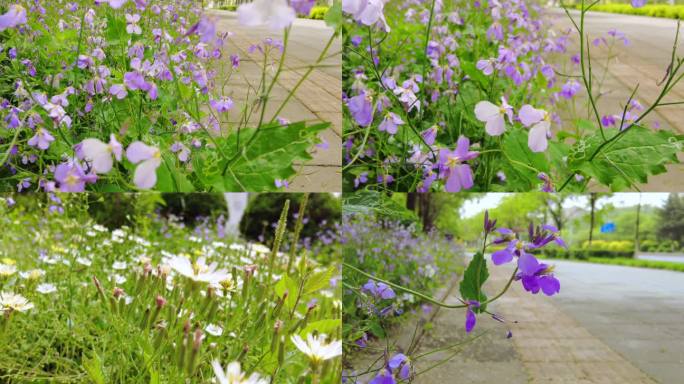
point(84, 261)
point(46, 288)
point(119, 265)
point(10, 302)
point(234, 375)
point(316, 348)
point(7, 270)
point(214, 330)
point(199, 271)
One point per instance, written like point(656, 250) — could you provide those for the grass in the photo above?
point(655, 10)
point(121, 311)
point(653, 264)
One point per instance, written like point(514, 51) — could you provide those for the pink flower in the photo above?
point(493, 116)
point(145, 176)
point(540, 121)
point(99, 154)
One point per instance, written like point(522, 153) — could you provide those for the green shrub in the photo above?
point(652, 10)
point(228, 7)
point(648, 245)
point(318, 12)
point(611, 246)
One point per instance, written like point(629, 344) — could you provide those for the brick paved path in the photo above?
point(316, 100)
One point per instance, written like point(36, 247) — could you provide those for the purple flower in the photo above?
point(471, 320)
point(41, 139)
point(303, 7)
point(486, 66)
point(72, 177)
point(548, 184)
point(390, 123)
point(281, 183)
point(383, 377)
point(361, 179)
point(116, 4)
point(367, 12)
point(458, 174)
point(224, 104)
point(430, 134)
point(379, 290)
point(400, 363)
point(132, 26)
point(537, 276)
point(15, 16)
point(145, 176)
point(361, 109)
point(119, 91)
point(638, 3)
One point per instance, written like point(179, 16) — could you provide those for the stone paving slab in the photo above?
point(318, 99)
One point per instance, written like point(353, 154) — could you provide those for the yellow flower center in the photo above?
point(453, 161)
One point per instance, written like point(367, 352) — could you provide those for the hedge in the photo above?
point(664, 11)
point(317, 13)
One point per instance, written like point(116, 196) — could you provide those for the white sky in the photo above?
point(492, 200)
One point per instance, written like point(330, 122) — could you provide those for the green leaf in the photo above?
point(333, 18)
point(270, 156)
point(638, 153)
point(329, 327)
point(287, 284)
point(525, 165)
point(319, 280)
point(379, 204)
point(93, 367)
point(474, 278)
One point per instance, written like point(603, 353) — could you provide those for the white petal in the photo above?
point(495, 126)
point(537, 140)
point(485, 111)
point(146, 173)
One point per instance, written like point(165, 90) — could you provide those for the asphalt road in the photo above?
point(638, 312)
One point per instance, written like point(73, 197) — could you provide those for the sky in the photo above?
point(491, 200)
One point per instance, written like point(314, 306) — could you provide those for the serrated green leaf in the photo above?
point(630, 159)
point(474, 278)
point(270, 156)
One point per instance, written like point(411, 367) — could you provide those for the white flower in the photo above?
point(10, 302)
point(85, 262)
point(316, 348)
point(199, 271)
point(214, 330)
point(46, 288)
point(234, 375)
point(33, 274)
point(277, 14)
point(7, 270)
point(119, 265)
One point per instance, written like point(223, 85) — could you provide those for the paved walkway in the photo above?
point(644, 62)
point(609, 324)
point(316, 100)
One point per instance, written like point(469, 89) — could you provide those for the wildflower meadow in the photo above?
point(162, 298)
point(493, 96)
point(121, 95)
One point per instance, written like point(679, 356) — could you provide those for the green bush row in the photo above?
point(656, 10)
point(584, 254)
point(317, 13)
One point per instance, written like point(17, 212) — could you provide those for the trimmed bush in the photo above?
point(652, 10)
point(318, 12)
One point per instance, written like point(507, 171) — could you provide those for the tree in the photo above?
point(594, 197)
point(554, 206)
point(671, 225)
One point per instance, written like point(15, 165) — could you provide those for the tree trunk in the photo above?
point(411, 201)
point(636, 231)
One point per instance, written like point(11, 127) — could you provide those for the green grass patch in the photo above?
point(317, 13)
point(654, 264)
point(655, 10)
